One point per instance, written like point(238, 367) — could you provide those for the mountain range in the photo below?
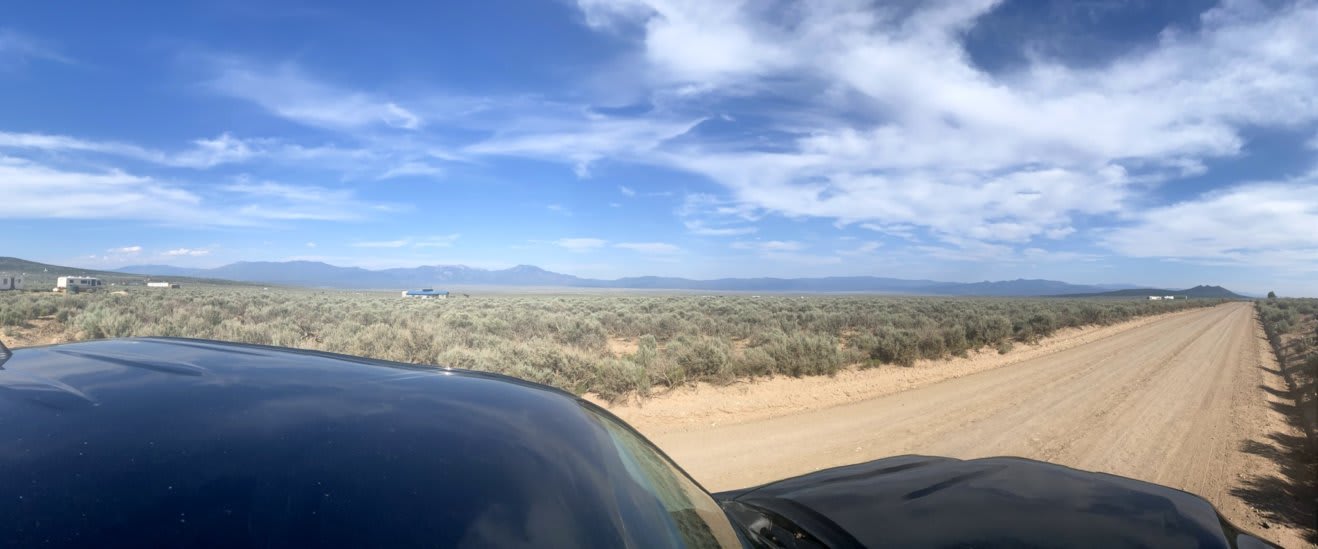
point(322, 275)
point(317, 274)
point(1197, 291)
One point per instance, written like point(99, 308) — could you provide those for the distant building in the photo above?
point(1169, 297)
point(1155, 298)
point(77, 283)
point(161, 285)
point(10, 282)
point(426, 293)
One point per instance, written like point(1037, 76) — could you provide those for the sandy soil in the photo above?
point(1191, 400)
point(40, 331)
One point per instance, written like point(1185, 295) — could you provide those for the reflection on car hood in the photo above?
point(916, 501)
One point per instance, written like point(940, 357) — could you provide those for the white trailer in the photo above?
point(10, 282)
point(77, 284)
point(161, 285)
point(1155, 298)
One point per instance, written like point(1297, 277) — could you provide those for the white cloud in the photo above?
point(16, 48)
point(700, 44)
point(582, 140)
point(707, 215)
point(268, 200)
point(382, 243)
point(437, 241)
point(867, 248)
point(658, 248)
point(286, 91)
point(699, 228)
point(311, 244)
point(894, 127)
point(224, 149)
point(202, 153)
point(805, 259)
point(440, 241)
point(410, 169)
point(769, 245)
point(126, 250)
point(1273, 224)
point(33, 190)
point(580, 244)
point(189, 252)
point(626, 191)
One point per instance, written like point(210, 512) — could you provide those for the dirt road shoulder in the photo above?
point(703, 405)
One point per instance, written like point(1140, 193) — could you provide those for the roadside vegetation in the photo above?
point(1292, 328)
point(610, 345)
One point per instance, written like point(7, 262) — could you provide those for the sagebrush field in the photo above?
point(611, 345)
point(1292, 328)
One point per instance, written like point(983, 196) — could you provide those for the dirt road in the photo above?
point(1182, 401)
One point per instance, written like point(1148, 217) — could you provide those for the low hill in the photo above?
point(43, 275)
point(1216, 292)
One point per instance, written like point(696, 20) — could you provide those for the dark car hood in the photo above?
point(917, 501)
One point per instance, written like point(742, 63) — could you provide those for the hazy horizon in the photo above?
point(1161, 145)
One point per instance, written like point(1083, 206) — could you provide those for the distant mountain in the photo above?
point(1019, 287)
point(43, 275)
point(159, 270)
point(323, 275)
point(823, 284)
point(23, 266)
point(1197, 291)
point(317, 274)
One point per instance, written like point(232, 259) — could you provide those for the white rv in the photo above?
point(10, 282)
point(77, 284)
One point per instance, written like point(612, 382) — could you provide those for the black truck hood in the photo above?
point(918, 501)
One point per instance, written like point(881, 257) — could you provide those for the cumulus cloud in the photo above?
point(126, 250)
point(1260, 224)
point(890, 124)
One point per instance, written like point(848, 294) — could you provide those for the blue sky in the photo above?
point(1162, 143)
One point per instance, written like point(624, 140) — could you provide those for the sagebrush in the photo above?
point(610, 345)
